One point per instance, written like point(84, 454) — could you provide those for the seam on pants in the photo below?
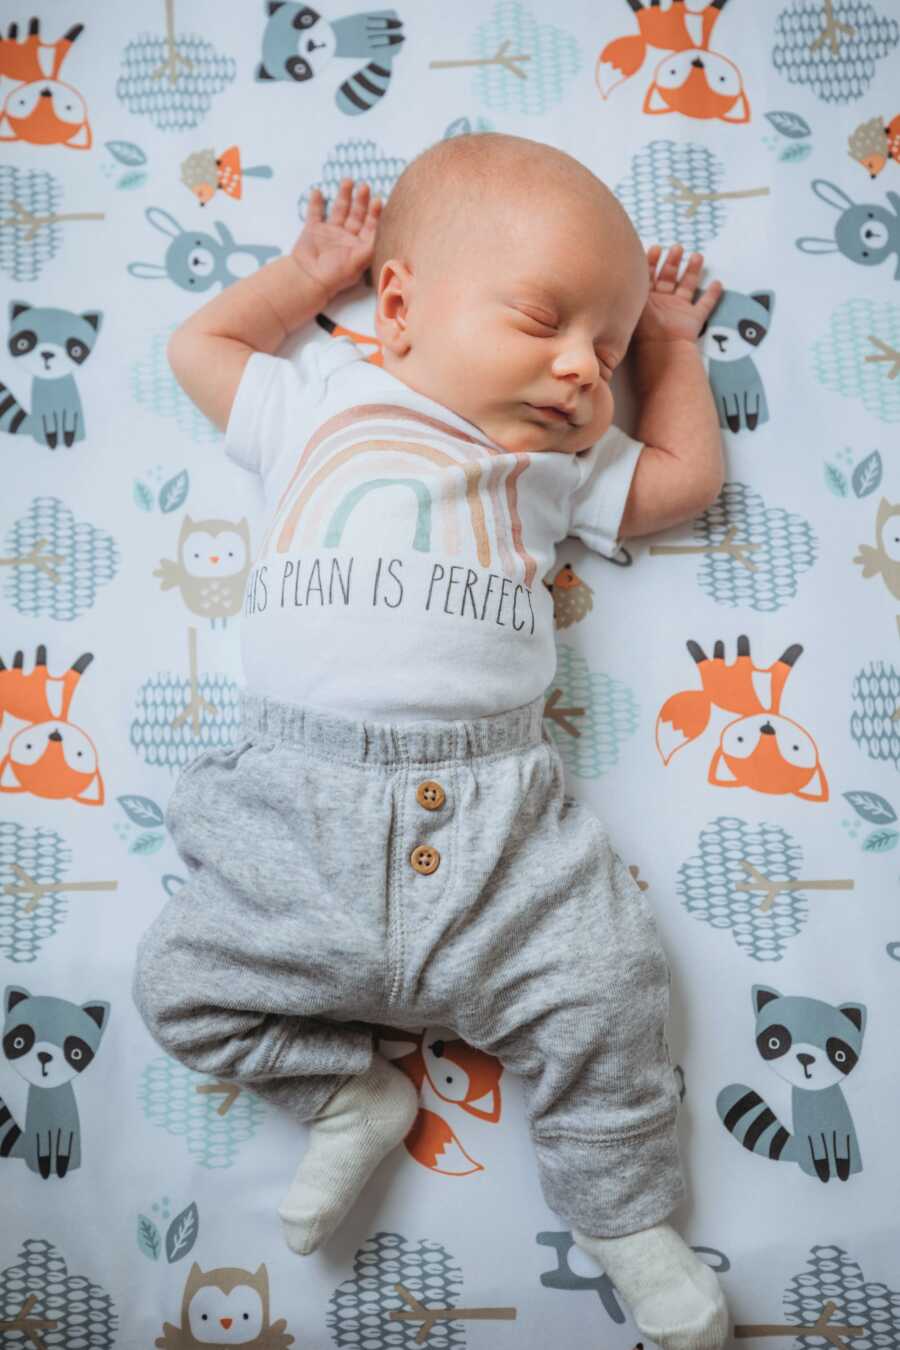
point(453, 849)
point(395, 928)
point(657, 1128)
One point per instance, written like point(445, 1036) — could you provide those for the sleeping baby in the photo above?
point(389, 840)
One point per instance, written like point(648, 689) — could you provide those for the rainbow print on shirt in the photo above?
point(463, 491)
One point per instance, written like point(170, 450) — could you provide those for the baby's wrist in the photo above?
point(659, 345)
point(293, 293)
point(654, 359)
point(660, 351)
point(326, 290)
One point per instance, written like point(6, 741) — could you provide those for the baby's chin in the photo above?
point(524, 436)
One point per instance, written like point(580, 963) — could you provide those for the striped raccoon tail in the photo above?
point(753, 1124)
point(10, 1134)
point(13, 417)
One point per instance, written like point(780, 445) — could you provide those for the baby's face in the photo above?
point(532, 311)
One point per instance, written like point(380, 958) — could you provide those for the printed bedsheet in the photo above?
point(727, 698)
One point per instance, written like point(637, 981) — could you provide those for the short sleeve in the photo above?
point(604, 479)
point(274, 396)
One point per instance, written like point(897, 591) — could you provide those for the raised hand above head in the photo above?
point(673, 312)
point(336, 251)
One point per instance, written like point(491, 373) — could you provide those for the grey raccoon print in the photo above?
point(733, 332)
point(49, 344)
point(813, 1046)
point(48, 1042)
point(298, 43)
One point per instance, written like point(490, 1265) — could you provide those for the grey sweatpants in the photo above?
point(343, 873)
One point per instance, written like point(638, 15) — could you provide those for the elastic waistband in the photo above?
point(344, 738)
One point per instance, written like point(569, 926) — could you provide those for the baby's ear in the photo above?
point(392, 305)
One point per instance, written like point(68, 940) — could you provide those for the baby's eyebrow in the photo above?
point(541, 289)
point(538, 288)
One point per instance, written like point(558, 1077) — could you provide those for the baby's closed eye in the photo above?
point(538, 327)
point(545, 325)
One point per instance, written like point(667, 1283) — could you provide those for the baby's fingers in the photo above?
point(653, 253)
point(707, 300)
point(341, 204)
point(359, 209)
point(669, 270)
point(691, 275)
point(316, 209)
point(370, 224)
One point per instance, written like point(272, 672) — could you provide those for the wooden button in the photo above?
point(425, 859)
point(430, 795)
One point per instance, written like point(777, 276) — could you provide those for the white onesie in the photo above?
point(401, 571)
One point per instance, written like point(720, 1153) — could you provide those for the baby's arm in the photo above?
point(209, 350)
point(680, 469)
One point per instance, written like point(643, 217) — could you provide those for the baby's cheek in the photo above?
point(604, 406)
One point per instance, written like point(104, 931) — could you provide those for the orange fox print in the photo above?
point(690, 79)
point(460, 1075)
point(761, 749)
point(362, 340)
point(39, 108)
point(49, 756)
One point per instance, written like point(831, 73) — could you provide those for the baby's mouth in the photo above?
point(551, 414)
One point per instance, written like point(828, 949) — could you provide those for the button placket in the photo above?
point(425, 858)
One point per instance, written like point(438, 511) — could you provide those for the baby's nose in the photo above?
point(580, 360)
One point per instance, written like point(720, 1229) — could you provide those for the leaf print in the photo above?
point(871, 806)
point(789, 124)
point(173, 493)
point(836, 481)
point(126, 152)
point(142, 810)
point(182, 1233)
point(795, 152)
point(880, 841)
point(867, 474)
point(148, 1237)
point(132, 180)
point(147, 843)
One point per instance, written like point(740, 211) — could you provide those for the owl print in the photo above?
point(212, 566)
point(225, 1306)
point(884, 559)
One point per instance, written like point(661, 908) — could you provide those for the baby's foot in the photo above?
point(357, 1127)
point(674, 1297)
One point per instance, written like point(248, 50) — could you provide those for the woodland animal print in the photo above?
point(48, 1041)
point(814, 1046)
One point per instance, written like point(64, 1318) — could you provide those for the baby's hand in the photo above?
point(671, 313)
point(336, 252)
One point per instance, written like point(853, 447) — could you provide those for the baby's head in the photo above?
point(508, 278)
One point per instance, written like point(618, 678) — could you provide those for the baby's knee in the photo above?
point(151, 983)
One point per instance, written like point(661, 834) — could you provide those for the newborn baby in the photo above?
point(389, 841)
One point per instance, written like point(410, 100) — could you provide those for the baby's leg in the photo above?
point(210, 993)
point(236, 977)
point(209, 1001)
point(574, 996)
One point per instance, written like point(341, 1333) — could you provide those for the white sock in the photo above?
point(368, 1116)
point(673, 1296)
